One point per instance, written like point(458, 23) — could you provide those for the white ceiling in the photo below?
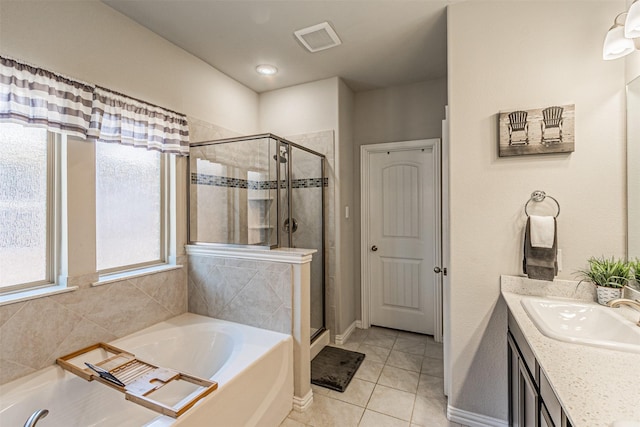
point(384, 42)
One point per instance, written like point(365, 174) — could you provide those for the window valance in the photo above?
point(32, 95)
point(39, 97)
point(120, 119)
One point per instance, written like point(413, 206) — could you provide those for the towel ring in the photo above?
point(538, 196)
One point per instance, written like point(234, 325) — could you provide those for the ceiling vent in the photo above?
point(318, 37)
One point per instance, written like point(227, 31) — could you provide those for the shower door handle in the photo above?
point(374, 248)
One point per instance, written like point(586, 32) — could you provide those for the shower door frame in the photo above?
point(278, 244)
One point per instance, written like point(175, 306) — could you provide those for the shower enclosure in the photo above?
point(261, 191)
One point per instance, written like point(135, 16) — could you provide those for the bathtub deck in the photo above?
point(254, 369)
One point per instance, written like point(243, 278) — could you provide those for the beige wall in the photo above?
point(90, 41)
point(307, 108)
point(633, 60)
point(398, 113)
point(345, 226)
point(633, 65)
point(501, 59)
point(304, 108)
point(304, 114)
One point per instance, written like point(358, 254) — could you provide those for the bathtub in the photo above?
point(253, 368)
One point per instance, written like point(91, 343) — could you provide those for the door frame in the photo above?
point(365, 281)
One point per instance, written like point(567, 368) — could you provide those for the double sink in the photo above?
point(583, 323)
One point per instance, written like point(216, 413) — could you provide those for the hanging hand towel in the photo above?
point(540, 263)
point(543, 231)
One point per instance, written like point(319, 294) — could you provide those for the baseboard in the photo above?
point(319, 344)
point(341, 339)
point(301, 404)
point(359, 324)
point(471, 419)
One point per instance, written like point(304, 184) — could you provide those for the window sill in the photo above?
point(30, 294)
point(132, 274)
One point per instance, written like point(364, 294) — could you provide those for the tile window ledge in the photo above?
point(29, 294)
point(132, 274)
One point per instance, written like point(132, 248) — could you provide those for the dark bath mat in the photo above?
point(334, 367)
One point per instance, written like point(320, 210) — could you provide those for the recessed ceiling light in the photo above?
point(266, 69)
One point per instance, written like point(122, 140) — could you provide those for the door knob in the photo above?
point(374, 248)
point(437, 270)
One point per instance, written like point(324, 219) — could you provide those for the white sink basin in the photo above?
point(583, 323)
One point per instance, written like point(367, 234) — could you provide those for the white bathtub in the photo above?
point(253, 368)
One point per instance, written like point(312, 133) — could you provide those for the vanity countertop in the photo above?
point(595, 386)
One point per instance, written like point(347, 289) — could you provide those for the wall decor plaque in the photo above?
point(543, 130)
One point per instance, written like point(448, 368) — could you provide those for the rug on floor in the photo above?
point(333, 368)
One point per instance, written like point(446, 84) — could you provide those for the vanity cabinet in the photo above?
point(532, 401)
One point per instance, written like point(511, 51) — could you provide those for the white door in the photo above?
point(403, 235)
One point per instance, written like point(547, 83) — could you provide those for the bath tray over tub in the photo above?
point(137, 379)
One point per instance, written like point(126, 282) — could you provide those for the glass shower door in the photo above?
point(232, 193)
point(306, 223)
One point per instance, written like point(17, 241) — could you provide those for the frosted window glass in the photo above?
point(23, 205)
point(128, 206)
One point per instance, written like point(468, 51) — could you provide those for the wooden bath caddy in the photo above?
point(139, 379)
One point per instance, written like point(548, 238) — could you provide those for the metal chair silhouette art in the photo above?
point(551, 118)
point(518, 123)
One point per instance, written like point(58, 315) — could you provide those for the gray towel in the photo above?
point(540, 263)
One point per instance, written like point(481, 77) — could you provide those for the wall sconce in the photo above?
point(616, 44)
point(619, 40)
point(632, 24)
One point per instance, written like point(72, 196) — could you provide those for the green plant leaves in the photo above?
point(610, 272)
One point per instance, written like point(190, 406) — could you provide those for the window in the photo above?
point(130, 207)
point(26, 207)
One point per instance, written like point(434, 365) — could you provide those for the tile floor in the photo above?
point(398, 384)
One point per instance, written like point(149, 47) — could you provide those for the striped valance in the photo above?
point(32, 95)
point(39, 97)
point(120, 119)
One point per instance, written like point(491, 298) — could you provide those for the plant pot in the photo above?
point(607, 294)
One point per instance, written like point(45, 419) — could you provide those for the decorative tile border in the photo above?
point(223, 181)
point(309, 183)
point(218, 181)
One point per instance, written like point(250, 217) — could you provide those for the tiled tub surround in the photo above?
point(34, 333)
point(268, 289)
point(253, 369)
point(254, 293)
point(595, 386)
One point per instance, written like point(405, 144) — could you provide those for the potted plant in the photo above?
point(609, 276)
point(635, 267)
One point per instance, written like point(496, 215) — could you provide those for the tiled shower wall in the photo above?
point(323, 143)
point(34, 333)
point(201, 297)
point(227, 203)
point(255, 293)
point(200, 131)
